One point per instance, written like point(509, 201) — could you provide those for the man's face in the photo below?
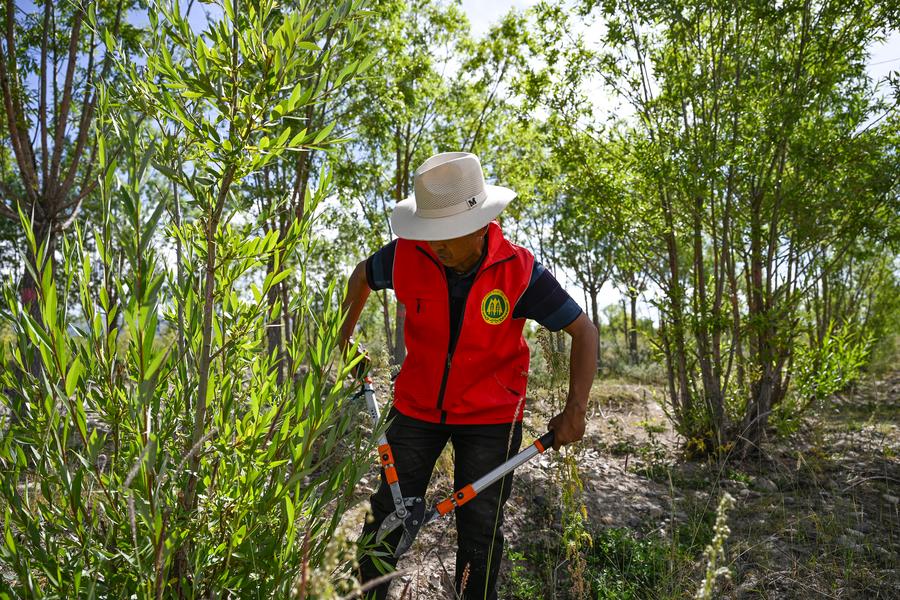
point(459, 252)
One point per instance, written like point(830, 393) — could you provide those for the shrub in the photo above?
point(134, 468)
point(820, 371)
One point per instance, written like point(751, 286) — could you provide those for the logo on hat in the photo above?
point(494, 307)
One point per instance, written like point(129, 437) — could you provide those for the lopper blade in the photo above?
point(417, 519)
point(412, 518)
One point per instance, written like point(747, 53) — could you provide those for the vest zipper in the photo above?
point(462, 317)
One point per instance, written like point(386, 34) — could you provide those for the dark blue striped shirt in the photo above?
point(544, 300)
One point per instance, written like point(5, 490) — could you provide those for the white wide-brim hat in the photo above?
point(451, 199)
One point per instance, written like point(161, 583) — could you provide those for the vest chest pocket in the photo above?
point(425, 311)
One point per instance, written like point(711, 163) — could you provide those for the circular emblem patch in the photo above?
point(495, 307)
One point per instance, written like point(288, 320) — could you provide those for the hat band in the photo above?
point(449, 211)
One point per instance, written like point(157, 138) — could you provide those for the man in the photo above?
point(467, 292)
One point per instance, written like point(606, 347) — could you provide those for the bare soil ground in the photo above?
point(817, 514)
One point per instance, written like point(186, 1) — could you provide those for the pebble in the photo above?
point(747, 589)
point(767, 485)
point(846, 542)
point(864, 528)
point(891, 499)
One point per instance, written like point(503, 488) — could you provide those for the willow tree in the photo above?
point(184, 470)
point(756, 141)
point(53, 55)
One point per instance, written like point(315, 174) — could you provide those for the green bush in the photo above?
point(623, 566)
point(133, 468)
point(820, 371)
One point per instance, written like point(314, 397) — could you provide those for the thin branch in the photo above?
point(7, 212)
point(42, 106)
point(63, 111)
point(87, 113)
point(9, 87)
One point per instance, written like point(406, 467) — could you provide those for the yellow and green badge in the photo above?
point(495, 307)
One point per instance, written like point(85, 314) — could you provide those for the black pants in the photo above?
point(478, 449)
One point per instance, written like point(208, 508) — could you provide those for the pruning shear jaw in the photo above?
point(410, 533)
point(411, 521)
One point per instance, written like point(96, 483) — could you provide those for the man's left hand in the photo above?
point(568, 426)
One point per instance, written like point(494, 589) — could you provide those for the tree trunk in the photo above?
point(632, 347)
point(676, 301)
point(711, 385)
point(758, 408)
point(736, 334)
point(595, 317)
point(273, 326)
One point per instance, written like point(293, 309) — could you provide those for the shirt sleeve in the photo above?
point(380, 268)
point(546, 302)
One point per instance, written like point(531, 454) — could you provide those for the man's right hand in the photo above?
point(355, 352)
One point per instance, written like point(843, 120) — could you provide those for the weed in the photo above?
point(652, 427)
point(715, 551)
point(522, 583)
point(574, 514)
point(735, 475)
point(622, 566)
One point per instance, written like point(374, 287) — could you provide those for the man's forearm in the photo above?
point(582, 363)
point(357, 294)
point(569, 425)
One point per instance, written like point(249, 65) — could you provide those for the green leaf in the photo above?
point(297, 139)
point(150, 227)
point(10, 542)
point(73, 376)
point(324, 132)
point(366, 63)
point(238, 536)
point(289, 507)
point(200, 50)
point(48, 286)
point(29, 231)
point(279, 277)
point(294, 97)
point(154, 365)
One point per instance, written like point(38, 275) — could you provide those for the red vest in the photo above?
point(484, 380)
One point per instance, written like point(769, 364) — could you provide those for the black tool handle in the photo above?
point(545, 441)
